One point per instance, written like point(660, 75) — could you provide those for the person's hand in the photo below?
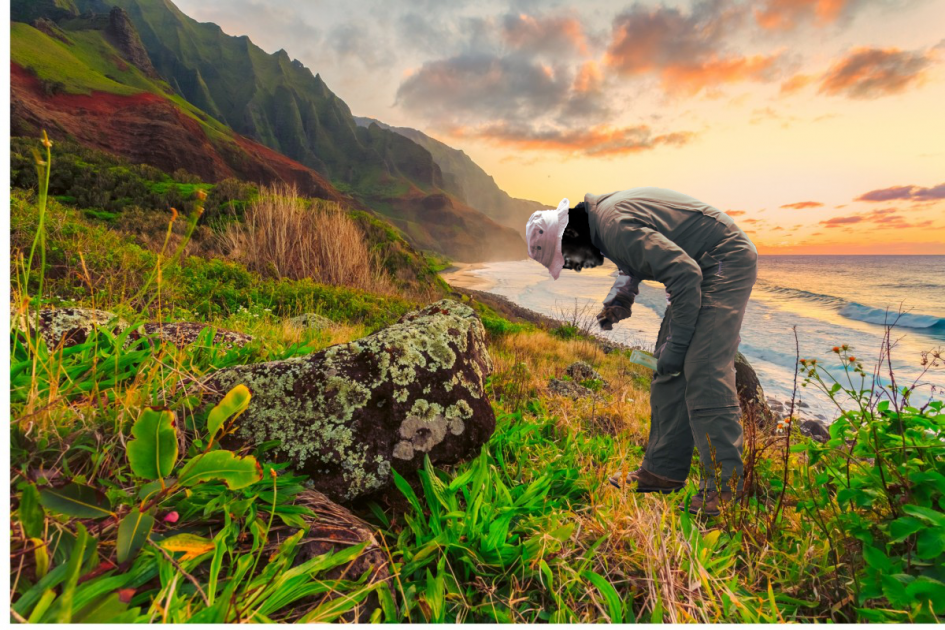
point(670, 361)
point(612, 314)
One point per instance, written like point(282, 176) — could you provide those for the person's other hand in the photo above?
point(670, 361)
point(612, 314)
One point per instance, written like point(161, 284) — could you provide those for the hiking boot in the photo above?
point(642, 480)
point(709, 502)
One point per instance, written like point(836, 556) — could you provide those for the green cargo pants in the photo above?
point(699, 406)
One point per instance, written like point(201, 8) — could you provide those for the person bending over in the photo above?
point(708, 266)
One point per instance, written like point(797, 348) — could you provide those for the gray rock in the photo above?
point(568, 388)
point(349, 414)
point(814, 430)
point(185, 333)
point(581, 371)
point(311, 321)
point(751, 396)
point(68, 326)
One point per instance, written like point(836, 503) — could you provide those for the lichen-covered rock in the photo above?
point(311, 321)
point(185, 333)
point(581, 371)
point(568, 388)
point(68, 326)
point(347, 415)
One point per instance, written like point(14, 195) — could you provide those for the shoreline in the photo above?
point(462, 275)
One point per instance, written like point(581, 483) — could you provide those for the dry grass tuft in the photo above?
point(287, 236)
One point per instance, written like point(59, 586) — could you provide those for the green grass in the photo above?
point(53, 60)
point(527, 531)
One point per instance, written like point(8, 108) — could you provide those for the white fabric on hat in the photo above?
point(543, 235)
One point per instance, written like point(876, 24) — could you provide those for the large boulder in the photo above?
point(348, 415)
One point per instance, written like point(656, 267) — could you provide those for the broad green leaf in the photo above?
point(133, 532)
point(232, 405)
point(76, 500)
point(902, 528)
point(153, 452)
point(32, 517)
point(192, 545)
point(236, 472)
point(926, 514)
point(931, 542)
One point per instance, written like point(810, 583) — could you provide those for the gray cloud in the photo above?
point(867, 73)
point(906, 193)
point(689, 51)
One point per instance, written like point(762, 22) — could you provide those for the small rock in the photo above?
point(332, 530)
point(311, 321)
point(581, 371)
point(751, 396)
point(568, 388)
point(68, 326)
point(803, 405)
point(814, 430)
point(185, 333)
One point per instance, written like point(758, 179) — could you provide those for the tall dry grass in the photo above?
point(287, 236)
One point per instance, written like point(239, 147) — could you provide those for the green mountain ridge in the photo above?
point(467, 180)
point(228, 84)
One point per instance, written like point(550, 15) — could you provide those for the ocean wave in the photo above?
point(871, 315)
point(860, 312)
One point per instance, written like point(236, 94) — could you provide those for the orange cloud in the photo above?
point(693, 78)
point(687, 50)
point(734, 213)
point(787, 14)
point(873, 72)
point(588, 79)
point(545, 34)
point(599, 141)
point(795, 84)
point(802, 205)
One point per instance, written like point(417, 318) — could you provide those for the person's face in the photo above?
point(579, 255)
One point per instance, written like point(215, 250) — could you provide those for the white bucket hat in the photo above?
point(543, 235)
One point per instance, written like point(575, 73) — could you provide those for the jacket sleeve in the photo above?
point(624, 292)
point(641, 248)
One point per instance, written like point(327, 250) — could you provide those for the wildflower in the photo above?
point(836, 349)
point(852, 359)
point(173, 214)
point(201, 194)
point(46, 141)
point(171, 517)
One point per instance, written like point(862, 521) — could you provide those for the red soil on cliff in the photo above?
point(150, 129)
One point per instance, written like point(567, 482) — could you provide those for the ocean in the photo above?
point(832, 300)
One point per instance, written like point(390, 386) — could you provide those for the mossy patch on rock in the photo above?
point(68, 326)
point(347, 415)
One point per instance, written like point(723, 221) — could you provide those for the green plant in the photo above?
point(880, 480)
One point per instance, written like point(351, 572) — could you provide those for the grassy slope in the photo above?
point(548, 540)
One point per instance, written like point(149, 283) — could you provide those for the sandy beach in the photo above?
point(462, 275)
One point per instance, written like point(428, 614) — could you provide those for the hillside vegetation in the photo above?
point(527, 531)
point(213, 114)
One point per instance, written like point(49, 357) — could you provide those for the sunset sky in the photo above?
point(818, 124)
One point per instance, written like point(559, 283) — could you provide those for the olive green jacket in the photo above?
point(657, 234)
